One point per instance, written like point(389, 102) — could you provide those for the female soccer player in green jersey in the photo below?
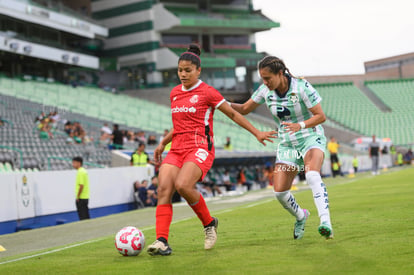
point(295, 106)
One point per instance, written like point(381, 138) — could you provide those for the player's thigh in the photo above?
point(314, 159)
point(166, 179)
point(188, 176)
point(283, 176)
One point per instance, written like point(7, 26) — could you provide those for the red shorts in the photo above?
point(203, 158)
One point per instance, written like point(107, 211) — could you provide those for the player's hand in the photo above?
point(291, 127)
point(158, 153)
point(268, 136)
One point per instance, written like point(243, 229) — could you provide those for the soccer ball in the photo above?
point(129, 241)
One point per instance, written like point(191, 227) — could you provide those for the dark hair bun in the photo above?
point(194, 48)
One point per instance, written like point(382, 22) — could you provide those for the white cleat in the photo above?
point(211, 235)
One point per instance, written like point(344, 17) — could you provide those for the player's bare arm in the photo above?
point(160, 148)
point(243, 122)
point(245, 108)
point(317, 118)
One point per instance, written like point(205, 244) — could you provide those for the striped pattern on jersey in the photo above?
point(293, 107)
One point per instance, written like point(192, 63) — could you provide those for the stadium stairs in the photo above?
point(372, 96)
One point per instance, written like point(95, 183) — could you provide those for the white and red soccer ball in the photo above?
point(129, 241)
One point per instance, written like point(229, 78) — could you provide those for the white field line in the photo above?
point(51, 251)
point(143, 229)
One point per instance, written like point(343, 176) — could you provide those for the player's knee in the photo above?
point(164, 191)
point(183, 187)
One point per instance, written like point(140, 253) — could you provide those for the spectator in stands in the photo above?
point(226, 179)
point(268, 173)
point(374, 153)
point(189, 160)
point(228, 146)
point(117, 138)
point(408, 157)
point(124, 136)
point(106, 133)
point(152, 140)
point(143, 193)
point(260, 177)
point(153, 191)
point(68, 129)
point(241, 179)
point(81, 188)
point(140, 137)
point(210, 184)
point(45, 129)
point(40, 117)
point(296, 108)
point(129, 139)
point(78, 133)
point(138, 202)
point(166, 131)
point(54, 119)
point(1, 122)
point(140, 158)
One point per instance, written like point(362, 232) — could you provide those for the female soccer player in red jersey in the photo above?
point(192, 150)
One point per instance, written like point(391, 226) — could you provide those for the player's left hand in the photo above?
point(158, 153)
point(291, 127)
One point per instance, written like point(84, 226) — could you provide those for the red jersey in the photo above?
point(192, 116)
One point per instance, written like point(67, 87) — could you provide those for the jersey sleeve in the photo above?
point(172, 93)
point(259, 95)
point(215, 99)
point(310, 95)
point(83, 177)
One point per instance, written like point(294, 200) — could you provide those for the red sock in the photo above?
point(163, 218)
point(200, 208)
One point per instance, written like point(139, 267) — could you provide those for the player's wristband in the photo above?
point(302, 125)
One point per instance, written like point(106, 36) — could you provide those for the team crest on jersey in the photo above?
point(294, 98)
point(194, 99)
point(201, 155)
point(270, 97)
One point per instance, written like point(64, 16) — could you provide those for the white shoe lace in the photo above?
point(210, 232)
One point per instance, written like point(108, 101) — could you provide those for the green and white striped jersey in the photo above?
point(292, 107)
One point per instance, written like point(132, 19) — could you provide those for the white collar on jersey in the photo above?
point(192, 88)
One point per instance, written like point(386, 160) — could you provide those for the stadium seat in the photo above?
point(345, 104)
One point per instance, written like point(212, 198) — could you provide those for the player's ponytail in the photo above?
point(274, 64)
point(192, 54)
point(194, 48)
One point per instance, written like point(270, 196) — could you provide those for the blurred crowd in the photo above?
point(46, 124)
point(116, 138)
point(145, 193)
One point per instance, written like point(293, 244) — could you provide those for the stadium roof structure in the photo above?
point(35, 37)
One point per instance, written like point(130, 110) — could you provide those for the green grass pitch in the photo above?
point(373, 223)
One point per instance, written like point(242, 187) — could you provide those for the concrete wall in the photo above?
point(35, 194)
